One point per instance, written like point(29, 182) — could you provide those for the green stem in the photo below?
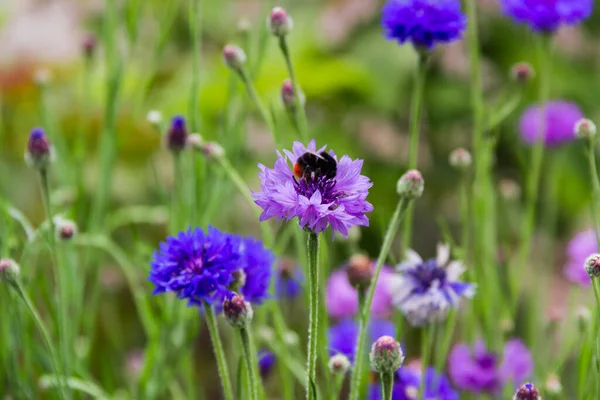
point(387, 384)
point(264, 112)
point(313, 330)
point(213, 329)
point(251, 363)
point(42, 327)
point(299, 111)
point(194, 15)
point(425, 350)
point(355, 382)
point(596, 188)
point(337, 386)
point(465, 216)
point(415, 125)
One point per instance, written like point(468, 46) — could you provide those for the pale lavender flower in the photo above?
point(561, 117)
point(579, 248)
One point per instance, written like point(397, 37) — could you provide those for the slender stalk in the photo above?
point(596, 188)
point(213, 329)
point(194, 21)
point(44, 331)
point(387, 384)
point(425, 334)
point(251, 363)
point(313, 330)
point(264, 112)
point(465, 216)
point(415, 125)
point(299, 111)
point(355, 383)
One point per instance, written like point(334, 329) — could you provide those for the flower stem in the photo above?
point(299, 111)
point(415, 125)
point(365, 310)
point(42, 327)
point(219, 352)
point(313, 330)
point(596, 188)
point(264, 112)
point(251, 363)
point(387, 383)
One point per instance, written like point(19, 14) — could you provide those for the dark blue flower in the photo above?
point(198, 266)
point(343, 336)
point(547, 15)
point(266, 362)
point(289, 279)
point(424, 23)
point(177, 134)
point(407, 382)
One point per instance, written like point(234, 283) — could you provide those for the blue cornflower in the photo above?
point(289, 279)
point(198, 266)
point(407, 382)
point(343, 336)
point(424, 23)
point(425, 290)
point(547, 15)
point(266, 362)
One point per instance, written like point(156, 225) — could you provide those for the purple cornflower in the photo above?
point(266, 362)
point(424, 23)
point(343, 336)
point(407, 382)
point(480, 371)
point(177, 134)
point(341, 298)
point(561, 117)
point(425, 290)
point(289, 279)
point(199, 266)
point(39, 152)
point(547, 15)
point(579, 248)
point(317, 199)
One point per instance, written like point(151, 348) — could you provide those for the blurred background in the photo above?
point(358, 88)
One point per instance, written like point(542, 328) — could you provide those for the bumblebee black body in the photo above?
point(312, 165)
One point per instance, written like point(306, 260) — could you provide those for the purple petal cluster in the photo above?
point(289, 280)
point(578, 250)
point(547, 15)
point(480, 371)
point(339, 202)
point(198, 266)
point(559, 125)
point(266, 362)
point(341, 298)
point(424, 23)
point(407, 382)
point(425, 290)
point(343, 336)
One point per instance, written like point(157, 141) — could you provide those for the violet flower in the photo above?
point(579, 248)
point(547, 15)
point(407, 382)
point(561, 117)
point(289, 279)
point(343, 336)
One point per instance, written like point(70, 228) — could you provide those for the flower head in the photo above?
point(279, 22)
point(407, 382)
point(480, 371)
point(343, 336)
point(425, 290)
point(592, 266)
point(359, 271)
point(320, 198)
point(341, 298)
point(289, 279)
point(547, 15)
point(585, 129)
point(338, 364)
point(9, 270)
point(386, 355)
point(424, 23)
point(39, 153)
point(177, 134)
point(579, 248)
point(238, 312)
point(522, 72)
point(64, 229)
point(410, 185)
point(288, 96)
point(561, 117)
point(527, 392)
point(199, 266)
point(234, 57)
point(266, 361)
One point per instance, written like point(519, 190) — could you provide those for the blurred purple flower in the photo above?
point(424, 23)
point(547, 15)
point(289, 279)
point(341, 299)
point(579, 249)
point(198, 266)
point(342, 337)
point(425, 290)
point(266, 362)
point(561, 117)
point(480, 371)
point(407, 382)
point(318, 202)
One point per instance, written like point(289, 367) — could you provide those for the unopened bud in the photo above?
point(410, 185)
point(213, 150)
point(177, 134)
point(237, 311)
point(527, 392)
point(239, 280)
point(65, 229)
point(359, 271)
point(234, 57)
point(522, 72)
point(592, 266)
point(460, 159)
point(9, 270)
point(553, 385)
point(39, 153)
point(280, 23)
point(154, 117)
point(338, 364)
point(585, 128)
point(89, 45)
point(288, 97)
point(386, 355)
point(195, 141)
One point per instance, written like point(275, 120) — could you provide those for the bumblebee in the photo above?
point(311, 166)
